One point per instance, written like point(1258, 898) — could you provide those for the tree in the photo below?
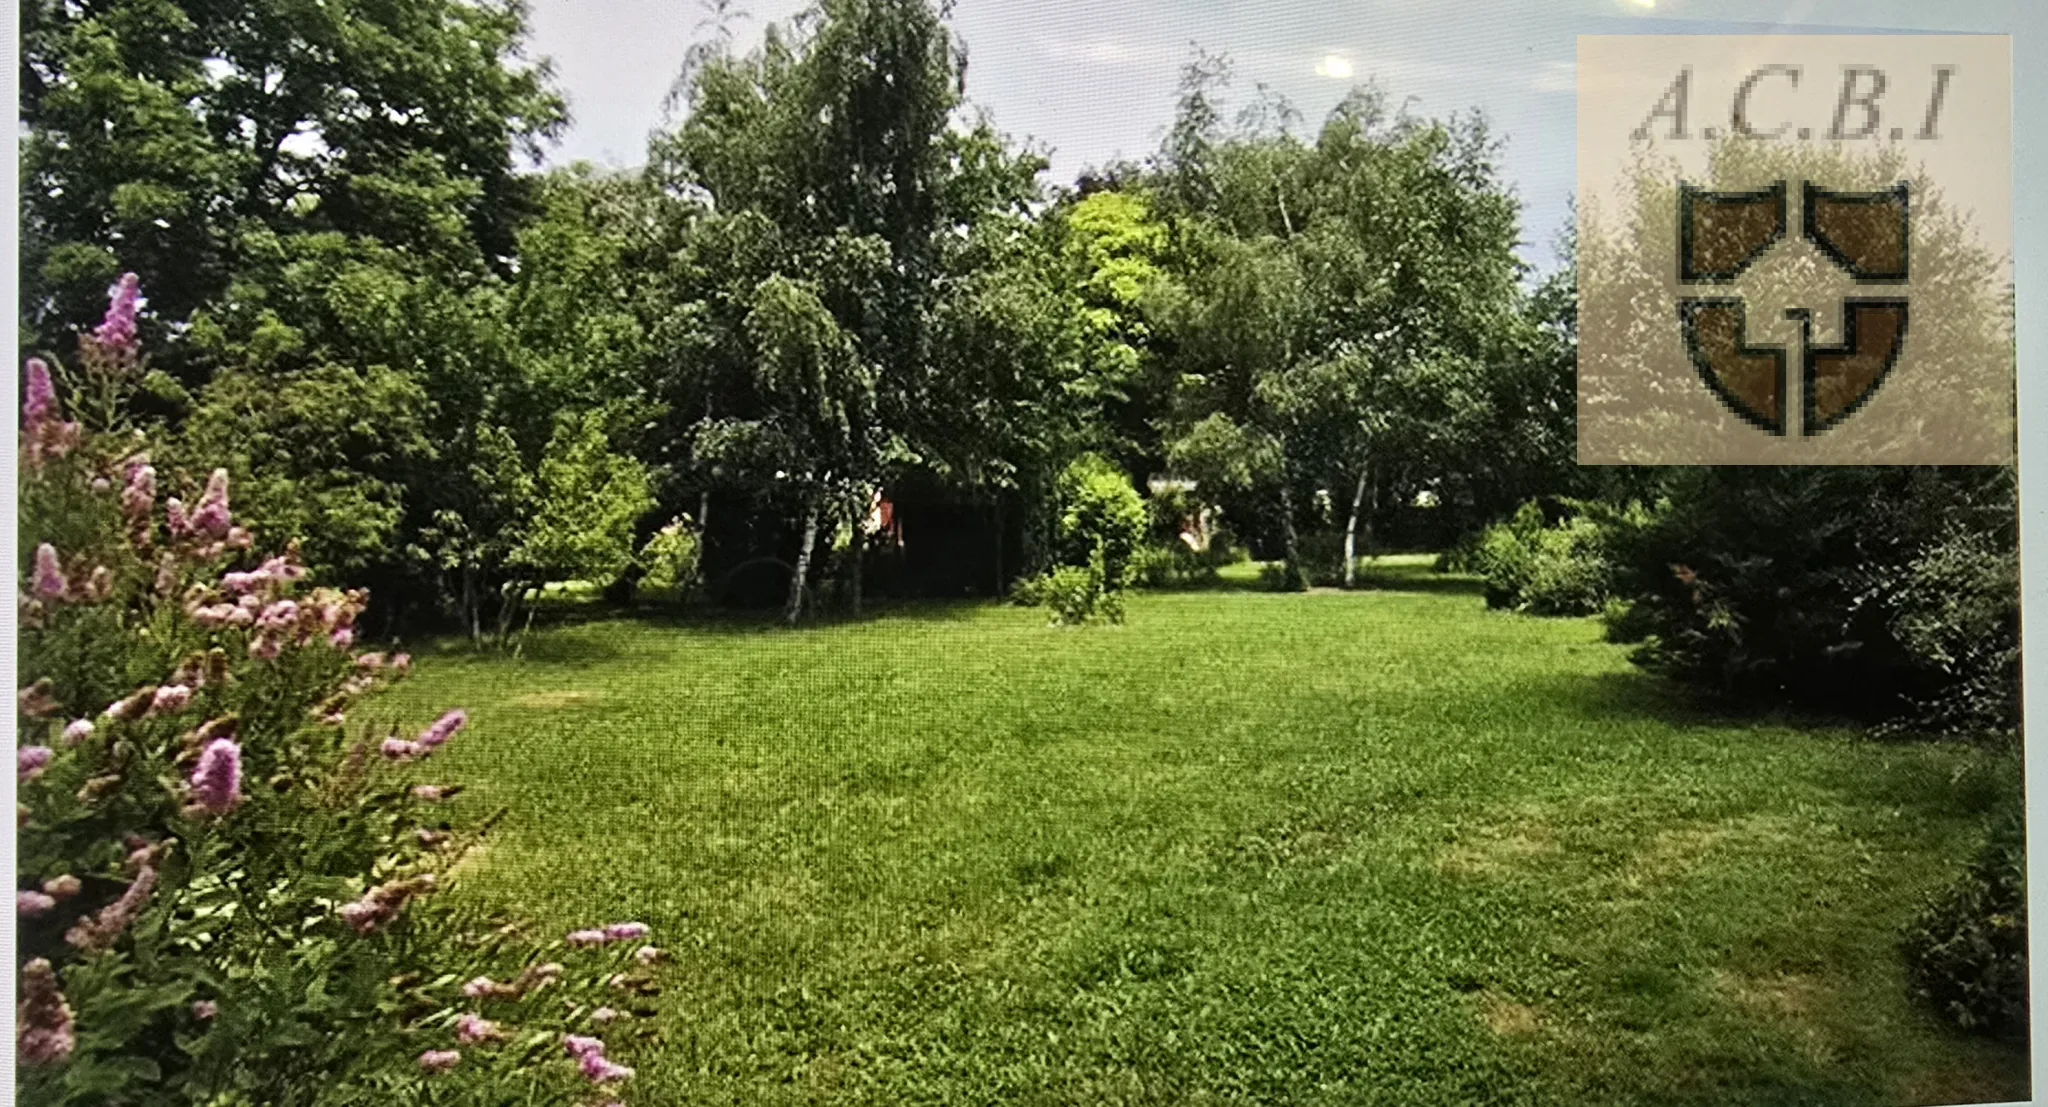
point(325, 200)
point(817, 421)
point(587, 502)
point(159, 137)
point(1345, 299)
point(838, 233)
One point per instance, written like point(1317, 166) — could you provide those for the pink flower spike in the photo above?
point(205, 1010)
point(432, 793)
point(239, 583)
point(281, 568)
point(342, 638)
point(170, 699)
point(77, 732)
point(212, 517)
point(444, 728)
point(602, 1071)
point(604, 1015)
point(43, 1028)
point(175, 518)
point(217, 780)
point(647, 955)
point(35, 700)
point(362, 916)
point(586, 938)
point(439, 1060)
point(370, 661)
point(471, 1029)
point(50, 582)
point(30, 761)
point(115, 336)
point(398, 749)
point(138, 499)
point(99, 932)
point(580, 1046)
point(627, 931)
point(401, 662)
point(30, 904)
point(40, 402)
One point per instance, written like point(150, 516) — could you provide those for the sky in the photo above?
point(1092, 81)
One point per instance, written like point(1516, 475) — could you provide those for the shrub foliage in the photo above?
point(1968, 949)
point(228, 862)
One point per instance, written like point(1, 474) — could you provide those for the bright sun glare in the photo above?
point(1333, 66)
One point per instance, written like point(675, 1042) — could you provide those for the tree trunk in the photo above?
point(857, 548)
point(1296, 580)
point(996, 512)
point(470, 614)
point(1351, 529)
point(794, 609)
point(859, 555)
point(513, 598)
point(1374, 504)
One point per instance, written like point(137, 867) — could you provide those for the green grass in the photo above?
point(1371, 847)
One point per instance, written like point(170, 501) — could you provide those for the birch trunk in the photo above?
point(1351, 528)
point(794, 609)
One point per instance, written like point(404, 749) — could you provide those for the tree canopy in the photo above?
point(835, 280)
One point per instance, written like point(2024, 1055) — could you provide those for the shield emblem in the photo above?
point(1721, 234)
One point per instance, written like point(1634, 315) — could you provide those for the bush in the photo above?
point(1322, 557)
point(1102, 519)
point(1461, 556)
point(1074, 593)
point(1888, 594)
point(1102, 525)
point(670, 559)
point(1031, 591)
point(227, 867)
point(1968, 949)
point(1561, 568)
point(1955, 608)
point(1172, 564)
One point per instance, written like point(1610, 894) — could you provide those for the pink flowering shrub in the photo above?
point(228, 886)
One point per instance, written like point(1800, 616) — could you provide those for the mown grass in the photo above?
point(1371, 847)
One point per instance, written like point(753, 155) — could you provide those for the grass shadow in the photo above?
point(1646, 694)
point(1427, 581)
point(1235, 582)
point(715, 620)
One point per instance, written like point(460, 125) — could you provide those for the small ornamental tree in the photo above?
point(225, 861)
point(1102, 522)
point(588, 502)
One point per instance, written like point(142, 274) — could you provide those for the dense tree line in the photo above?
point(833, 278)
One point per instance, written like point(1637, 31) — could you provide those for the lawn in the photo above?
point(1371, 847)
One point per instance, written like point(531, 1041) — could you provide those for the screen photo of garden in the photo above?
point(633, 552)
